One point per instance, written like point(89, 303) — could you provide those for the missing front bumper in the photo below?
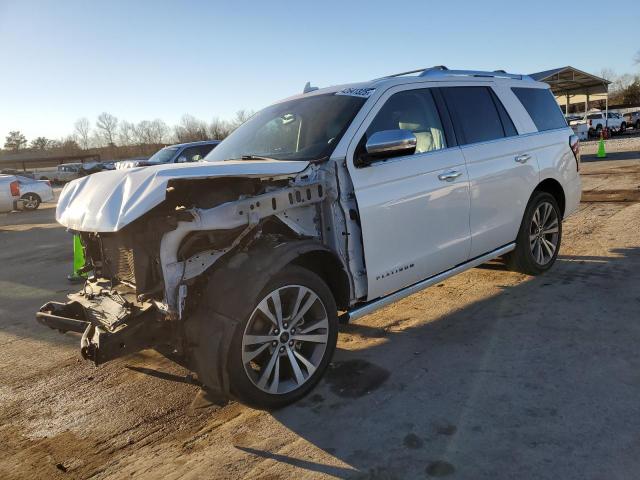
point(102, 342)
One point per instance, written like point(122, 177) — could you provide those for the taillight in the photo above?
point(15, 189)
point(574, 143)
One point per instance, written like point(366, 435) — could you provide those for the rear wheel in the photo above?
point(539, 236)
point(31, 201)
point(284, 339)
point(637, 124)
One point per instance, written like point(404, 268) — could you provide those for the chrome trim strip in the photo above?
point(374, 305)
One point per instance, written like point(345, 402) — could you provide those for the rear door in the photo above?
point(503, 169)
point(414, 209)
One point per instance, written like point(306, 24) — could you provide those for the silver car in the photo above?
point(9, 193)
point(34, 192)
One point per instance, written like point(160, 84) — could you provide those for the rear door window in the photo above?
point(475, 115)
point(542, 108)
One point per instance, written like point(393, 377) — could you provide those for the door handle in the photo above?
point(524, 158)
point(449, 176)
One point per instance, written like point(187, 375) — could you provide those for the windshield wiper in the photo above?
point(256, 157)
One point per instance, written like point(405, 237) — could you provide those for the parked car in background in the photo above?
point(334, 202)
point(633, 119)
point(9, 193)
point(34, 192)
point(13, 171)
point(179, 153)
point(63, 174)
point(597, 121)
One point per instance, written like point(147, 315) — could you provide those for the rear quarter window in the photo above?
point(542, 108)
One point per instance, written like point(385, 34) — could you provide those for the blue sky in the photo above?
point(65, 59)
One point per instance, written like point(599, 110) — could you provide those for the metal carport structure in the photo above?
point(569, 81)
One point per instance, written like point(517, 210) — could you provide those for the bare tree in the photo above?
point(622, 82)
point(608, 74)
point(82, 131)
point(107, 125)
point(159, 131)
point(15, 141)
point(241, 117)
point(126, 133)
point(191, 129)
point(219, 129)
point(67, 144)
point(143, 132)
point(41, 143)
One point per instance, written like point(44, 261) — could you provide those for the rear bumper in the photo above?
point(573, 192)
point(104, 339)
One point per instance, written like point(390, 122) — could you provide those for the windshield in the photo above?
point(302, 129)
point(164, 155)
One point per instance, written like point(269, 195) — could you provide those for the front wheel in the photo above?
point(283, 347)
point(267, 346)
point(31, 201)
point(539, 236)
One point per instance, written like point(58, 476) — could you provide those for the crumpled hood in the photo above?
point(108, 201)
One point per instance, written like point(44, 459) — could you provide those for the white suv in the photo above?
point(320, 208)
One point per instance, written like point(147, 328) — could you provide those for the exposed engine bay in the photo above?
point(144, 278)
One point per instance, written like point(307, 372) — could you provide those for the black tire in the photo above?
point(525, 257)
point(243, 320)
point(637, 124)
point(623, 127)
point(31, 201)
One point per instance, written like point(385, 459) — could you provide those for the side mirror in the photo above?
point(390, 143)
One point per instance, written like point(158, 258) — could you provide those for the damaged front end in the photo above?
point(142, 274)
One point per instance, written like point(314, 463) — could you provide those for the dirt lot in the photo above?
point(491, 374)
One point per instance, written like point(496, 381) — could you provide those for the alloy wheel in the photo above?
point(285, 339)
point(30, 201)
point(544, 233)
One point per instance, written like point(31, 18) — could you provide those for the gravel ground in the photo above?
point(491, 374)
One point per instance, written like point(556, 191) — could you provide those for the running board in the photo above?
point(374, 305)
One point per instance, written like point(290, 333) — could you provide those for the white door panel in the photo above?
point(414, 225)
point(501, 182)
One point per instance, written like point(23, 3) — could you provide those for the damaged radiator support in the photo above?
point(247, 211)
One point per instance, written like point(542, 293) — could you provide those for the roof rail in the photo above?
point(475, 73)
point(442, 71)
point(419, 70)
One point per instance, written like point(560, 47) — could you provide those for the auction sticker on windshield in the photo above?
point(357, 92)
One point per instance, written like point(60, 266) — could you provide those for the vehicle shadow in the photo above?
point(540, 380)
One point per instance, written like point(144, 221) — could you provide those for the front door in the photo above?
point(414, 209)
